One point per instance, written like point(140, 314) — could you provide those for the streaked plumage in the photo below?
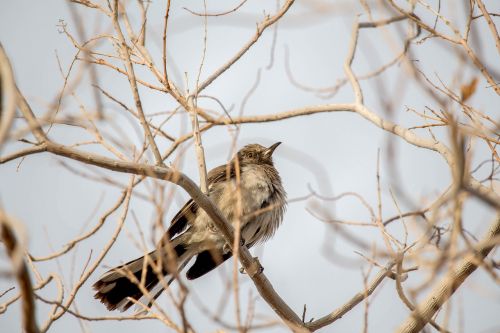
point(192, 233)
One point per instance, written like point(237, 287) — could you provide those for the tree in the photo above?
point(426, 83)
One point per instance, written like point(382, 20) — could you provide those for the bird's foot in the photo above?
point(228, 248)
point(254, 269)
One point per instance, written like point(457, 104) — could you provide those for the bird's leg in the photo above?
point(227, 248)
point(260, 268)
point(255, 268)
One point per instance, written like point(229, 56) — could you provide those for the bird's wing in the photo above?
point(182, 219)
point(180, 222)
point(220, 174)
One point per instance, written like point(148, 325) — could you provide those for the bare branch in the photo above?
point(133, 84)
point(491, 24)
point(7, 94)
point(261, 27)
point(251, 265)
point(451, 282)
point(217, 14)
point(15, 253)
point(355, 300)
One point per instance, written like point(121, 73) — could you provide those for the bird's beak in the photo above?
point(271, 149)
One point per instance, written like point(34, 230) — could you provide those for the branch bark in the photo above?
point(7, 96)
point(16, 253)
point(449, 284)
point(355, 300)
point(200, 152)
point(133, 84)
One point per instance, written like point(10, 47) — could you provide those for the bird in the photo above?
point(247, 190)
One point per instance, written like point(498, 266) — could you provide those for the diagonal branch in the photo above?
point(458, 40)
point(261, 27)
point(450, 283)
point(491, 24)
point(7, 96)
point(355, 300)
point(251, 265)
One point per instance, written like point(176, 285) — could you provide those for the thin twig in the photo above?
point(133, 85)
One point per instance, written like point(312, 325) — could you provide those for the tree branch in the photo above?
point(450, 283)
point(133, 84)
point(21, 272)
point(7, 96)
point(251, 265)
point(261, 27)
point(355, 300)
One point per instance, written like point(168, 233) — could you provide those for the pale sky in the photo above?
point(331, 153)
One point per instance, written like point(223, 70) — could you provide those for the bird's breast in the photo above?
point(240, 201)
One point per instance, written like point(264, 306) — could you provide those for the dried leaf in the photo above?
point(468, 90)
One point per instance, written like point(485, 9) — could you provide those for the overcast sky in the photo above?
point(330, 153)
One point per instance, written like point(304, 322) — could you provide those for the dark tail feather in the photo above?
point(115, 286)
point(205, 262)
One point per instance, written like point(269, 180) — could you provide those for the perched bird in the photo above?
point(254, 195)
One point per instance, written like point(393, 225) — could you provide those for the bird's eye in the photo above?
point(250, 155)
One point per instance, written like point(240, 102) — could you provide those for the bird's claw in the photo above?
point(260, 268)
point(255, 268)
point(228, 248)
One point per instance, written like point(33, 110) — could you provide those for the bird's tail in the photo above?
point(118, 286)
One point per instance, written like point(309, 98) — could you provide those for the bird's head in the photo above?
point(257, 154)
